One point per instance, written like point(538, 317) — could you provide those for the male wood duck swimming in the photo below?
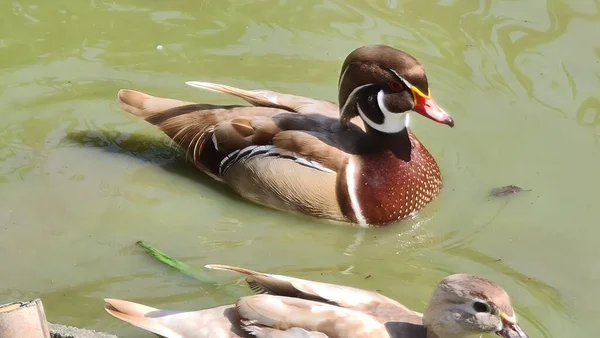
point(462, 305)
point(357, 164)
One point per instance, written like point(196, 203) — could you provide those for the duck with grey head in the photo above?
point(461, 306)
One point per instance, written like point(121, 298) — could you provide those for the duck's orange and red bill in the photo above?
point(427, 107)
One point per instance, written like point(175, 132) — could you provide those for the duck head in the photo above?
point(382, 84)
point(464, 305)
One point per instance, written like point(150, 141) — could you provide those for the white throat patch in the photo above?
point(392, 122)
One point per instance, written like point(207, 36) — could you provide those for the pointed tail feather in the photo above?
point(258, 281)
point(265, 98)
point(144, 105)
point(137, 315)
point(223, 267)
point(268, 98)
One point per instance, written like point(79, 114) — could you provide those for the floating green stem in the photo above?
point(201, 276)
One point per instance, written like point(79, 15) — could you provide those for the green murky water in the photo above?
point(81, 181)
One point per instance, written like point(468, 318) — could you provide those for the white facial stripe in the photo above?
point(392, 122)
point(405, 81)
point(352, 94)
point(351, 183)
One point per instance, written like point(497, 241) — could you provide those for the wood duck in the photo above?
point(461, 306)
point(356, 164)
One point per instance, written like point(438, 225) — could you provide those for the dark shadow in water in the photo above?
point(155, 150)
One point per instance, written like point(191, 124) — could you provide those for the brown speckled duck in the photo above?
point(461, 306)
point(358, 164)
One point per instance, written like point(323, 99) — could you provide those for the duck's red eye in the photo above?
point(395, 86)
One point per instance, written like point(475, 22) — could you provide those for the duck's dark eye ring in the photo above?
point(395, 86)
point(481, 307)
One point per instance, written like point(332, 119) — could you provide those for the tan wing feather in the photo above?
point(284, 313)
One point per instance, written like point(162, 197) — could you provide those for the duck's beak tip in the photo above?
point(512, 331)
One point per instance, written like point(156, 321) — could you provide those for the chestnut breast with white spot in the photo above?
point(388, 188)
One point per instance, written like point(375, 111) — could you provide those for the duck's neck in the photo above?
point(398, 143)
point(436, 328)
